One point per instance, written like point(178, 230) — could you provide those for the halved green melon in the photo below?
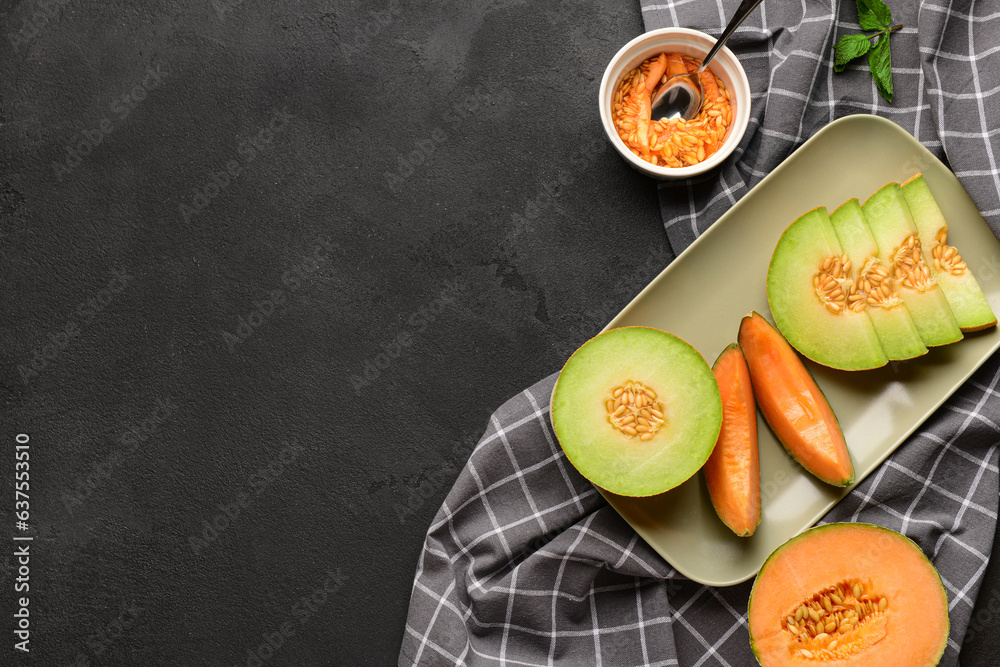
point(809, 312)
point(848, 594)
point(892, 227)
point(968, 303)
point(895, 330)
point(636, 410)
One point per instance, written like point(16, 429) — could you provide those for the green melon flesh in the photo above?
point(968, 303)
point(890, 222)
point(895, 330)
point(684, 386)
point(831, 339)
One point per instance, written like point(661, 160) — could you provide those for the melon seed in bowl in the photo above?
point(675, 142)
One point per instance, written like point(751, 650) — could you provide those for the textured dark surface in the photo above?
point(314, 247)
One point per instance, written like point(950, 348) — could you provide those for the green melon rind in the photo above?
point(685, 386)
point(833, 526)
point(894, 327)
point(965, 296)
point(890, 222)
point(818, 334)
point(836, 423)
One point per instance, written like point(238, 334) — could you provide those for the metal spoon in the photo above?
point(681, 95)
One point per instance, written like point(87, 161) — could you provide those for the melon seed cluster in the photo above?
point(676, 142)
point(898, 289)
point(875, 286)
point(829, 283)
point(633, 410)
point(908, 266)
point(946, 257)
point(831, 624)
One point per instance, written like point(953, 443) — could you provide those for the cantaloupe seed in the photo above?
point(874, 285)
point(946, 257)
point(908, 265)
point(831, 282)
point(838, 622)
point(633, 411)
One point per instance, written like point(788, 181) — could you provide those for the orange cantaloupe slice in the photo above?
point(655, 73)
point(830, 571)
point(732, 472)
point(793, 404)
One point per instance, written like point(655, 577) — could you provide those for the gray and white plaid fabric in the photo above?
point(946, 80)
point(526, 564)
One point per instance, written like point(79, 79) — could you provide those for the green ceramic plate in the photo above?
point(705, 292)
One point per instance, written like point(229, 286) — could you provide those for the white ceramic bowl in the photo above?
point(689, 42)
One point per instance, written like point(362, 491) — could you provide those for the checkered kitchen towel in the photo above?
point(526, 564)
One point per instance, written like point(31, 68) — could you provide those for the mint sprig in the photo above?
point(872, 15)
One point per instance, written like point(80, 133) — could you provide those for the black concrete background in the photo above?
point(266, 269)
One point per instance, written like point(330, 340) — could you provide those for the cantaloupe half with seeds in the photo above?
point(793, 404)
point(848, 594)
point(868, 288)
point(965, 297)
point(732, 472)
point(636, 410)
point(891, 225)
point(806, 294)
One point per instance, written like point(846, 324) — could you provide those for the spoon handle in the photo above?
point(742, 12)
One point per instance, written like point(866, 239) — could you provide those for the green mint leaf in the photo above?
point(873, 14)
point(880, 63)
point(848, 48)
